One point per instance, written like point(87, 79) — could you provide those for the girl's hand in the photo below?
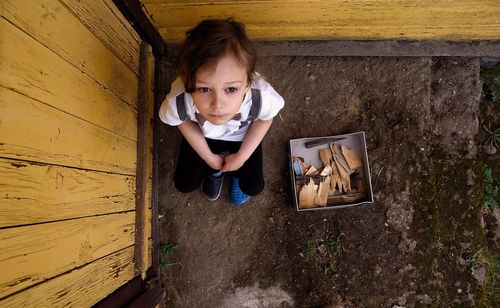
point(215, 162)
point(232, 162)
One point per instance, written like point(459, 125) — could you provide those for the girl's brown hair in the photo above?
point(206, 43)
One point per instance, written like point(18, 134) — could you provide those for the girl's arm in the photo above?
point(192, 132)
point(252, 139)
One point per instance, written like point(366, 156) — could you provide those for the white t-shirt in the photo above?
point(178, 107)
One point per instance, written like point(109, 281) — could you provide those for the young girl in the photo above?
point(223, 109)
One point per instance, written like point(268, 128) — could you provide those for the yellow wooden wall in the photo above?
point(335, 19)
point(69, 74)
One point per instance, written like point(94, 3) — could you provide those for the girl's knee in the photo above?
point(185, 187)
point(252, 188)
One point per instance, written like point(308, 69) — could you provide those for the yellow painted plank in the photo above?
point(33, 254)
point(49, 22)
point(30, 68)
point(104, 19)
point(147, 2)
point(208, 2)
point(352, 13)
point(33, 193)
point(338, 19)
point(81, 287)
point(33, 131)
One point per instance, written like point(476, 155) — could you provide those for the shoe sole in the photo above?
point(240, 204)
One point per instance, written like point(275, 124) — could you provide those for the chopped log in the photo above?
point(307, 195)
point(346, 198)
point(322, 195)
point(351, 158)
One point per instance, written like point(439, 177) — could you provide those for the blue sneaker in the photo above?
point(237, 196)
point(212, 186)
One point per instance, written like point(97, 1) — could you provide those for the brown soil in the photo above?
point(411, 247)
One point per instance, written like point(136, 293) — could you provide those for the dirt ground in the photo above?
point(422, 242)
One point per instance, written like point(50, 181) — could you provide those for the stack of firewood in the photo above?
point(338, 181)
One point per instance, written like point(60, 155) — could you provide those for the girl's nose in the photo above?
point(216, 101)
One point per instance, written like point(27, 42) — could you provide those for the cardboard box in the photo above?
point(311, 157)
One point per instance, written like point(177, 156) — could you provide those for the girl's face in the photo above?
point(220, 90)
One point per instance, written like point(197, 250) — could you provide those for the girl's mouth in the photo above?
point(217, 116)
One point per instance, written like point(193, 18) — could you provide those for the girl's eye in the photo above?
point(204, 90)
point(231, 90)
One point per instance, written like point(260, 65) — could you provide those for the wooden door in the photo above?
point(69, 78)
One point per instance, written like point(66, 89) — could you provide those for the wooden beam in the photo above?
point(144, 159)
point(390, 48)
point(132, 10)
point(123, 295)
point(150, 298)
point(149, 293)
point(368, 48)
point(153, 270)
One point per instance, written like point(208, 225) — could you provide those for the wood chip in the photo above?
point(311, 171)
point(337, 155)
point(351, 158)
point(326, 156)
point(327, 170)
point(322, 195)
point(344, 176)
point(307, 195)
point(335, 180)
point(346, 198)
